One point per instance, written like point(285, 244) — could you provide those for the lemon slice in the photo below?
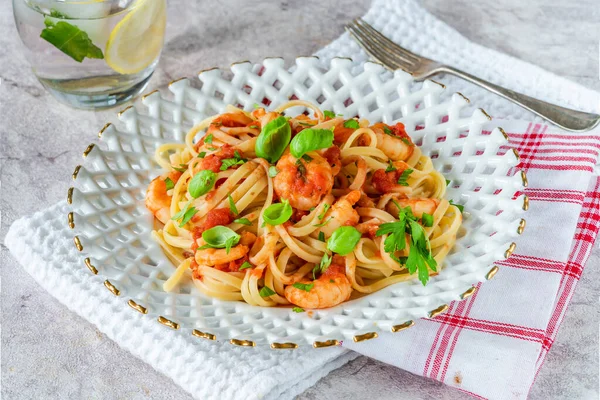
point(136, 41)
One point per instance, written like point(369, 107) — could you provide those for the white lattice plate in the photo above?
point(112, 226)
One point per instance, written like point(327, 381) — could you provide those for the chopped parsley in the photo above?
point(447, 182)
point(266, 292)
point(390, 167)
point(322, 224)
point(230, 162)
point(388, 131)
point(328, 114)
point(321, 236)
point(307, 158)
point(303, 286)
point(202, 154)
point(298, 309)
point(404, 176)
point(273, 171)
point(243, 221)
point(253, 127)
point(322, 266)
point(232, 206)
point(406, 141)
point(245, 265)
point(182, 168)
point(169, 183)
point(208, 139)
point(184, 215)
point(325, 208)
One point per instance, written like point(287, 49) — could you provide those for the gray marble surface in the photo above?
point(49, 352)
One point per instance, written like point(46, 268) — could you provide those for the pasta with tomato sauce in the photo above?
point(308, 210)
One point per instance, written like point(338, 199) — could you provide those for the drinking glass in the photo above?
point(92, 53)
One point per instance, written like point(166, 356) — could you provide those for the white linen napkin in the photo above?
point(230, 372)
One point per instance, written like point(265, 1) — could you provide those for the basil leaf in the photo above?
point(351, 123)
point(343, 240)
point(266, 291)
point(427, 219)
point(461, 208)
point(70, 40)
point(208, 139)
point(298, 309)
point(169, 183)
point(309, 140)
point(303, 286)
point(245, 265)
point(202, 183)
point(404, 176)
point(278, 213)
point(220, 237)
point(273, 139)
point(243, 221)
point(273, 171)
point(232, 206)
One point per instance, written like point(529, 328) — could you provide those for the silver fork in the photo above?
point(395, 57)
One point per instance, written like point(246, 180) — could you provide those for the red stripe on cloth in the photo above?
point(550, 167)
point(523, 262)
point(497, 328)
point(585, 235)
point(472, 394)
point(455, 339)
point(432, 350)
point(563, 195)
point(571, 138)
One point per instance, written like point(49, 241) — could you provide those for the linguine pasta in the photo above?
point(309, 210)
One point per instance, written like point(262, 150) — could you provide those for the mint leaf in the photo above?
point(70, 40)
point(57, 14)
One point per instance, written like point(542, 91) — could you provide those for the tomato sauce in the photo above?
point(385, 182)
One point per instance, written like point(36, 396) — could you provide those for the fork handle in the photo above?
point(571, 120)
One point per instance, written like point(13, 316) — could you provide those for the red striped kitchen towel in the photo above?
point(493, 344)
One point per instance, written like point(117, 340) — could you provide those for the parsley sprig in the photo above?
point(419, 257)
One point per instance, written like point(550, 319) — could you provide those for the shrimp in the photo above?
point(212, 257)
point(303, 183)
point(330, 289)
point(398, 145)
point(157, 199)
point(341, 213)
point(232, 120)
point(417, 206)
